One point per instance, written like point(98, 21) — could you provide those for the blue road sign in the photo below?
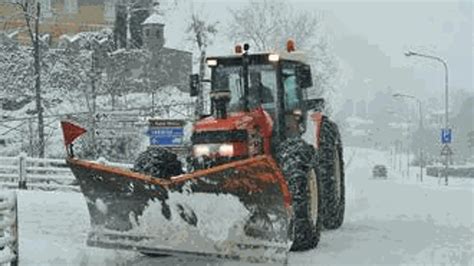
point(446, 135)
point(166, 136)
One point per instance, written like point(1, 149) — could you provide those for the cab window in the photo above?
point(290, 87)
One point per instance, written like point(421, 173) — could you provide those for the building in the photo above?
point(146, 69)
point(161, 66)
point(60, 17)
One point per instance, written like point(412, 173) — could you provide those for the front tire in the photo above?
point(158, 162)
point(296, 160)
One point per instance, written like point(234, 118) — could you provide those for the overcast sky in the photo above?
point(376, 31)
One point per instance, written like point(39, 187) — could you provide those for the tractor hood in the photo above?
point(234, 121)
point(237, 121)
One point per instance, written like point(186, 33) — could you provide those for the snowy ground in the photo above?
point(394, 221)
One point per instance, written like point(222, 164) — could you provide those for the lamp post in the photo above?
point(446, 95)
point(407, 148)
point(420, 110)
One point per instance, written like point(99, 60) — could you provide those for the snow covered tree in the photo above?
point(267, 25)
point(139, 11)
point(31, 14)
point(129, 16)
point(201, 34)
point(120, 26)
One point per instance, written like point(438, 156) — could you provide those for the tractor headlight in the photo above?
point(226, 150)
point(273, 57)
point(201, 150)
point(211, 62)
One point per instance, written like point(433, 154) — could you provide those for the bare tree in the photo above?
point(267, 25)
point(32, 15)
point(201, 34)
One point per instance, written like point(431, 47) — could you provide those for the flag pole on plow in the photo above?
point(70, 133)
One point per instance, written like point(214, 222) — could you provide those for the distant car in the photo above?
point(379, 171)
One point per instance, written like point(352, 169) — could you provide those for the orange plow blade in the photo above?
point(239, 210)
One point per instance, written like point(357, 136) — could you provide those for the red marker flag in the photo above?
point(71, 132)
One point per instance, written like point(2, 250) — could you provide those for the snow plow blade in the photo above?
point(240, 210)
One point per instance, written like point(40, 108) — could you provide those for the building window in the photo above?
point(46, 8)
point(71, 6)
point(109, 11)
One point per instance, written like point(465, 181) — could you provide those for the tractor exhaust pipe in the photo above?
point(245, 73)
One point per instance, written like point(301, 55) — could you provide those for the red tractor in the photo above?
point(266, 172)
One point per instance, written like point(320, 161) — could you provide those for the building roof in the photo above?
point(154, 18)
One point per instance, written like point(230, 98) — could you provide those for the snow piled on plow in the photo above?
point(218, 216)
point(214, 226)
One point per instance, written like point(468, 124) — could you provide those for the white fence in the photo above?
point(9, 229)
point(38, 173)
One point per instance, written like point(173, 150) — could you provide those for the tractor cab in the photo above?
point(243, 82)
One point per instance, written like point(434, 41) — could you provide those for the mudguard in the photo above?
point(240, 210)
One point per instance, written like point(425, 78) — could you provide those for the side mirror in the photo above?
point(316, 105)
point(304, 77)
point(194, 85)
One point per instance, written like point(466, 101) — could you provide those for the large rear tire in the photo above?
point(331, 167)
point(297, 162)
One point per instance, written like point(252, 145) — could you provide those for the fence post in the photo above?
point(14, 231)
point(22, 171)
point(9, 229)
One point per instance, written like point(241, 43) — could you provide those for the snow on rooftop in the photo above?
point(154, 18)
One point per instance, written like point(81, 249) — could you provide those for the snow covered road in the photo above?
point(396, 221)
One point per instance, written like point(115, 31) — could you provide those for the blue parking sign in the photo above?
point(446, 135)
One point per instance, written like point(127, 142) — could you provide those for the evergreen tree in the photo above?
point(139, 12)
point(120, 27)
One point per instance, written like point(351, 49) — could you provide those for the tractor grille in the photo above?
point(219, 136)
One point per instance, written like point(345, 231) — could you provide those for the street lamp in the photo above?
point(446, 117)
point(408, 122)
point(401, 95)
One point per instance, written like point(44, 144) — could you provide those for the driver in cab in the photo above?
point(258, 91)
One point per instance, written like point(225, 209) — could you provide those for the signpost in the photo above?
point(166, 136)
point(446, 135)
point(446, 150)
point(446, 139)
point(166, 133)
point(116, 125)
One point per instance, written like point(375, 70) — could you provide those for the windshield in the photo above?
point(262, 85)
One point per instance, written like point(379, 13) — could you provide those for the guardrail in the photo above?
point(453, 170)
point(9, 251)
point(39, 173)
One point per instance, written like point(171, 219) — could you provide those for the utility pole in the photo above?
point(95, 73)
